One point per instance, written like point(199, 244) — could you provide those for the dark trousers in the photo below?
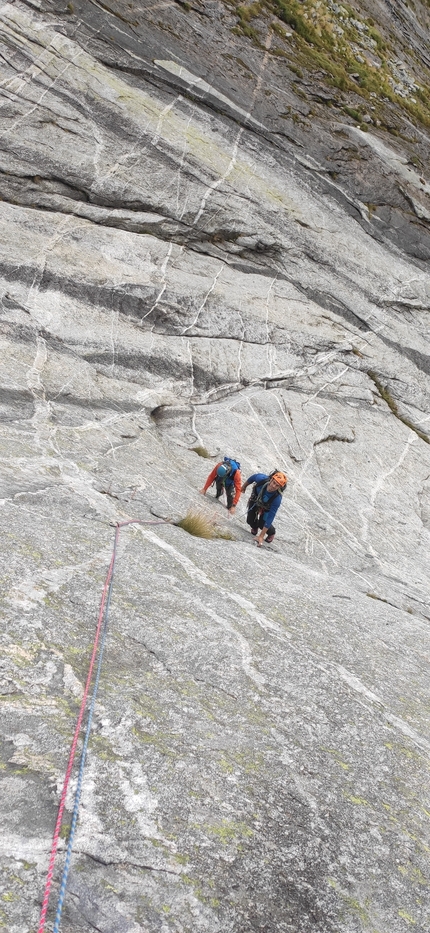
point(228, 489)
point(256, 520)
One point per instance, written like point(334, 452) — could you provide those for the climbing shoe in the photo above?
point(269, 539)
point(254, 531)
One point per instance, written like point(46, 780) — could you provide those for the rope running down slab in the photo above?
point(100, 637)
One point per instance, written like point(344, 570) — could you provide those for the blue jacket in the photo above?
point(273, 500)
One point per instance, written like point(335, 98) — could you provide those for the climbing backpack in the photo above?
point(233, 465)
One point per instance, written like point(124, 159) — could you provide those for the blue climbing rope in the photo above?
point(78, 791)
point(103, 631)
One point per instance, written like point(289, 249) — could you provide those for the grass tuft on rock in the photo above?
point(198, 524)
point(202, 526)
point(201, 451)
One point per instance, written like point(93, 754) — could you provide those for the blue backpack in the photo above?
point(233, 464)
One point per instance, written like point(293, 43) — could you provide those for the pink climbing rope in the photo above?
point(57, 830)
point(72, 757)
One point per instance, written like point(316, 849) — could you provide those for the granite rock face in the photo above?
point(203, 253)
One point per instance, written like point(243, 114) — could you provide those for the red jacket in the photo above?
point(236, 482)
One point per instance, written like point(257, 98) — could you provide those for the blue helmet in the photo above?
point(222, 470)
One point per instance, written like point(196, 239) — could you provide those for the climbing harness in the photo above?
point(100, 638)
point(256, 499)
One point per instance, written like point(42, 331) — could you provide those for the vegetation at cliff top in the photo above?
point(333, 39)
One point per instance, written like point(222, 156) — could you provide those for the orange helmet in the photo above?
point(280, 478)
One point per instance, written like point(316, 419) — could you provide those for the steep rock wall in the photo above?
point(198, 254)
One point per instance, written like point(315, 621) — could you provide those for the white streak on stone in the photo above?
point(42, 409)
point(163, 114)
point(215, 184)
point(159, 296)
point(195, 82)
point(167, 257)
point(209, 292)
point(380, 482)
point(398, 723)
point(351, 538)
point(34, 381)
point(239, 362)
point(326, 359)
point(244, 649)
point(98, 150)
point(200, 577)
point(266, 431)
point(190, 353)
point(270, 350)
point(180, 167)
point(37, 104)
point(194, 429)
point(218, 181)
point(398, 163)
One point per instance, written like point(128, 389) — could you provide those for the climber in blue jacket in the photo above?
point(264, 502)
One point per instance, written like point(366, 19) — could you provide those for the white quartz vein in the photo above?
point(351, 539)
point(209, 292)
point(247, 116)
point(378, 485)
